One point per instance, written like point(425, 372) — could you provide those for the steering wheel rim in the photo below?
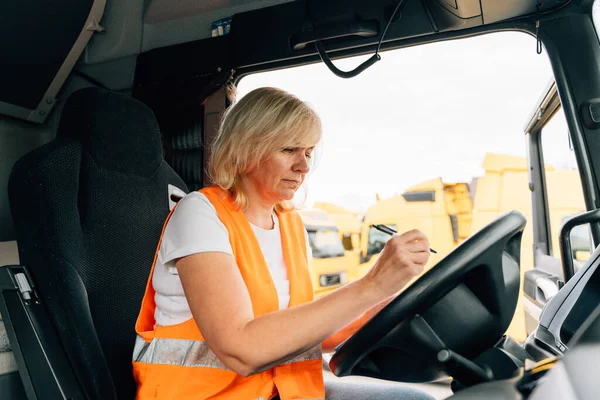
point(500, 237)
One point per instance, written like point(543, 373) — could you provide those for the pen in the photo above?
point(390, 231)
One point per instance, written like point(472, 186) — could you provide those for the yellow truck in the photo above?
point(329, 265)
point(441, 211)
point(347, 222)
point(505, 186)
point(449, 213)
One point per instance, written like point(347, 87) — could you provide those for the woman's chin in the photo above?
point(286, 195)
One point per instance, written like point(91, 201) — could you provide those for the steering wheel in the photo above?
point(451, 314)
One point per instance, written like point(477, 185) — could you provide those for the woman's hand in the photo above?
point(403, 257)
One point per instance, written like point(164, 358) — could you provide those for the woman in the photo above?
point(229, 310)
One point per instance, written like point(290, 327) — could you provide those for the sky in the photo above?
point(421, 113)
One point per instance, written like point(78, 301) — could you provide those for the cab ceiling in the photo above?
point(134, 26)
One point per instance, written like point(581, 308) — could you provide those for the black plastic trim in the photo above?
point(11, 387)
point(43, 365)
point(539, 199)
point(562, 305)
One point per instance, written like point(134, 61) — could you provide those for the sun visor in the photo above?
point(40, 43)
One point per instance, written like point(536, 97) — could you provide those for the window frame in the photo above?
point(547, 108)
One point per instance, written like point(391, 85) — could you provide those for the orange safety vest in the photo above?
point(174, 362)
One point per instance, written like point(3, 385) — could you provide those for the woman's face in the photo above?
point(278, 178)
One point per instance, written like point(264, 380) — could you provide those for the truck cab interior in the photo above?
point(107, 113)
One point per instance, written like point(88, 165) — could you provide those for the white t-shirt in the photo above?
point(193, 228)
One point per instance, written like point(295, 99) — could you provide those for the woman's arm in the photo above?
point(343, 334)
point(221, 305)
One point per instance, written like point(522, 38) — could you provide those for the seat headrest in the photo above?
point(118, 132)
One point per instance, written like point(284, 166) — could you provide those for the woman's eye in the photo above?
point(308, 155)
point(288, 150)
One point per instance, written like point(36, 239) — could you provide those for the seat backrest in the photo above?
point(88, 210)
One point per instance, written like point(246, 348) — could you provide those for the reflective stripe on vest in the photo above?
point(194, 353)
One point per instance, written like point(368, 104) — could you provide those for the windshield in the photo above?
point(325, 243)
point(378, 239)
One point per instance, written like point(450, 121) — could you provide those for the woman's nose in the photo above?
point(303, 164)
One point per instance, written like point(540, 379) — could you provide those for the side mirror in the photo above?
point(566, 249)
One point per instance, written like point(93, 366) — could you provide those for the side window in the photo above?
point(377, 240)
point(563, 186)
point(347, 242)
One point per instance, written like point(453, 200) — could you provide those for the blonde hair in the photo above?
point(264, 121)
